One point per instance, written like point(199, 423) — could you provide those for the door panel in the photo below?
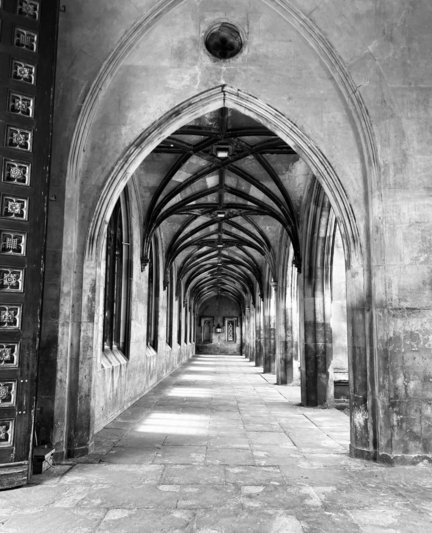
point(28, 32)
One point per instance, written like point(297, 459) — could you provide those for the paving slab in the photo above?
point(250, 521)
point(132, 456)
point(209, 496)
point(144, 497)
point(146, 520)
point(113, 474)
point(56, 520)
point(180, 455)
point(229, 456)
point(193, 474)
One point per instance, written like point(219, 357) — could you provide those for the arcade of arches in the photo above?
point(268, 198)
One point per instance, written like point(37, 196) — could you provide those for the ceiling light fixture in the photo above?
point(222, 151)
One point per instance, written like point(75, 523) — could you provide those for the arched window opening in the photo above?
point(179, 319)
point(117, 280)
point(153, 296)
point(261, 334)
point(186, 326)
point(190, 326)
point(193, 333)
point(170, 309)
point(272, 324)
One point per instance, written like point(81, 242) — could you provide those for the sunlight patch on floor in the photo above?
point(194, 392)
point(175, 423)
point(187, 377)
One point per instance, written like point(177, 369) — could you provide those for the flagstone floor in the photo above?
point(217, 447)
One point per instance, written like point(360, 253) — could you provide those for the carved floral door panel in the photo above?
point(28, 31)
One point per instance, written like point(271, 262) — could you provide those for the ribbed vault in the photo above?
point(221, 204)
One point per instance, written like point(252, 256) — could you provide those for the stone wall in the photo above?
point(119, 381)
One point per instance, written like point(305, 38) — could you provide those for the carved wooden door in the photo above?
point(28, 30)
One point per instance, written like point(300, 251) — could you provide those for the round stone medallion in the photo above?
point(223, 41)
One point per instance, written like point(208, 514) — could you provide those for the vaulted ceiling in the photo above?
point(221, 190)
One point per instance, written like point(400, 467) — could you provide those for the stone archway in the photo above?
point(363, 417)
point(75, 307)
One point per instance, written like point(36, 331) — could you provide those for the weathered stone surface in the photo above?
point(318, 491)
point(139, 520)
point(355, 79)
point(55, 520)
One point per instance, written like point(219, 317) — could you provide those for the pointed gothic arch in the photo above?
point(363, 418)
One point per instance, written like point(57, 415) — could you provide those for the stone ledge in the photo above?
point(112, 358)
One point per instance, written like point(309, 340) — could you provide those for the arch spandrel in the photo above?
point(296, 101)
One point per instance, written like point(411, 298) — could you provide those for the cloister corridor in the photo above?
point(217, 447)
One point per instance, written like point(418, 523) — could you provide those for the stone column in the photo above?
point(287, 306)
point(246, 352)
point(361, 366)
point(295, 323)
point(318, 349)
point(309, 368)
point(272, 324)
